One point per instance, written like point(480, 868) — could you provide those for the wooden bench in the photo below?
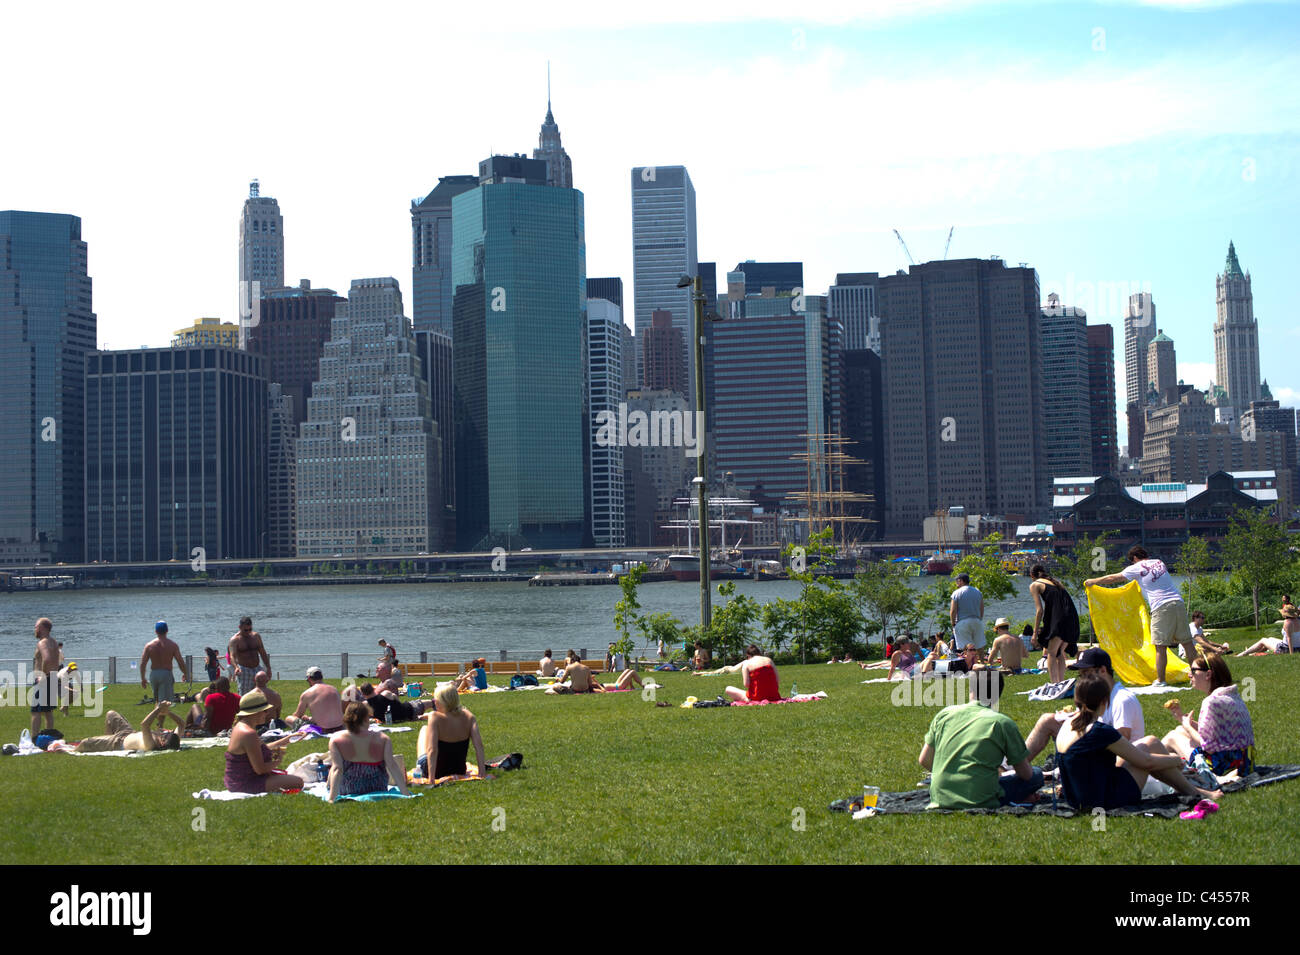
point(417, 669)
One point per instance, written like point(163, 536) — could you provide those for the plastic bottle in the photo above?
point(794, 689)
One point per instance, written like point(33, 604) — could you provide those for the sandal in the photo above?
point(1200, 810)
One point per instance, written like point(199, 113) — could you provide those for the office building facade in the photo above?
point(207, 331)
point(1139, 329)
point(261, 254)
point(431, 254)
point(1067, 440)
point(176, 455)
point(954, 334)
point(1236, 336)
point(435, 352)
point(293, 327)
point(369, 456)
point(852, 302)
point(47, 327)
point(604, 394)
point(281, 471)
point(1101, 399)
point(519, 314)
point(663, 250)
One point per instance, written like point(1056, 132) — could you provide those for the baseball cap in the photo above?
point(160, 626)
point(315, 671)
point(1090, 658)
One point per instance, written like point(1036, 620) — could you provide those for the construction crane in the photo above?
point(904, 245)
point(948, 243)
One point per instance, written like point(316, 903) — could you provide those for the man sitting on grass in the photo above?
point(1007, 647)
point(322, 701)
point(1123, 711)
point(119, 734)
point(966, 745)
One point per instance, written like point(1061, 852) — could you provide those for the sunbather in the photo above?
point(361, 761)
point(119, 735)
point(251, 765)
point(1007, 647)
point(474, 678)
point(1289, 642)
point(1087, 750)
point(761, 682)
point(903, 659)
point(446, 737)
point(625, 680)
point(577, 679)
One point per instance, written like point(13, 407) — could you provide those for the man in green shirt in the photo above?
point(965, 746)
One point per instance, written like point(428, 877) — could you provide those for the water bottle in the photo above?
point(388, 716)
point(794, 689)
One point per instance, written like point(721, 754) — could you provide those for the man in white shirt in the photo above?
point(1123, 711)
point(1169, 624)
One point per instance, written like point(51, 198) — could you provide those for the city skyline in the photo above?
point(1131, 179)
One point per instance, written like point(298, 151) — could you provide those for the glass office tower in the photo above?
point(46, 329)
point(519, 343)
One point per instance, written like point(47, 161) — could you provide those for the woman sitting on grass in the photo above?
point(1087, 751)
point(1289, 642)
point(1223, 734)
point(475, 676)
point(444, 741)
point(760, 679)
point(251, 765)
point(361, 761)
point(903, 659)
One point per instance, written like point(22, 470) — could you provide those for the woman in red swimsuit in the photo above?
point(759, 673)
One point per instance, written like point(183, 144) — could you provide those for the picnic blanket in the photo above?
point(1166, 807)
point(801, 698)
point(1123, 626)
point(320, 790)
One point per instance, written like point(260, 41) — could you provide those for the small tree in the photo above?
point(985, 568)
point(733, 621)
point(1257, 553)
point(1087, 559)
point(626, 611)
point(882, 589)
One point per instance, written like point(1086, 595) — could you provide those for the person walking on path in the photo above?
point(966, 611)
point(1169, 623)
point(159, 654)
point(245, 649)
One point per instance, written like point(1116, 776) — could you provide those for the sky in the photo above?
point(1113, 146)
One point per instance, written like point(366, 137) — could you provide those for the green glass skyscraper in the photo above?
point(519, 272)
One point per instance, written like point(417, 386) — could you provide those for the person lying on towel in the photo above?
point(119, 735)
point(759, 676)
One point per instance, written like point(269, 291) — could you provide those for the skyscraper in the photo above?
point(435, 351)
point(1101, 401)
point(863, 424)
point(1068, 437)
point(771, 390)
point(281, 471)
point(780, 277)
point(663, 355)
point(955, 335)
point(605, 392)
point(1162, 369)
point(663, 250)
point(368, 457)
point(852, 302)
point(1139, 329)
point(292, 329)
point(431, 254)
point(176, 454)
point(559, 170)
point(46, 329)
point(519, 313)
point(261, 254)
point(610, 289)
point(1236, 336)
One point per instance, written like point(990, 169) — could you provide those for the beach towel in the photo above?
point(801, 698)
point(1164, 807)
point(1122, 624)
point(322, 791)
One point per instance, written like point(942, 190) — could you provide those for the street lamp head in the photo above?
point(685, 281)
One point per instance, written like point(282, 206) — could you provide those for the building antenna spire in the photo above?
point(548, 86)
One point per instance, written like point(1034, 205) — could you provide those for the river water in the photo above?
point(449, 621)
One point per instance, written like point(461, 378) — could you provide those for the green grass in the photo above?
point(616, 779)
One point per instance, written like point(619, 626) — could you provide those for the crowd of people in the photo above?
point(977, 756)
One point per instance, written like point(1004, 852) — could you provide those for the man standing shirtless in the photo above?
point(45, 663)
point(245, 649)
point(159, 654)
point(322, 701)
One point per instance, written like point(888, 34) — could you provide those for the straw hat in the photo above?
point(1001, 622)
point(252, 703)
point(1289, 611)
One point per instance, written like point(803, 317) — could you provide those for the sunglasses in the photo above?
point(1200, 669)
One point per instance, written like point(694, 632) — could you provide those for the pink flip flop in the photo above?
point(1200, 810)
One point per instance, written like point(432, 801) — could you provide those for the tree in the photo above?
point(626, 616)
point(1086, 560)
point(1257, 553)
point(730, 631)
point(984, 565)
point(828, 614)
point(882, 589)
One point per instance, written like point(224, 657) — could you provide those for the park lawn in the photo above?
point(615, 779)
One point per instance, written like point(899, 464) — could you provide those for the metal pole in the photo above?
point(702, 445)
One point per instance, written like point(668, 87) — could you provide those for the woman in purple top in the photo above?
point(1223, 734)
point(251, 765)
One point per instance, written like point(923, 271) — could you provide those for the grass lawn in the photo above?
point(635, 783)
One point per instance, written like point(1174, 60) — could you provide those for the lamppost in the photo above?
point(696, 285)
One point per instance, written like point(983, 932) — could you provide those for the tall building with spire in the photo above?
point(559, 170)
point(1236, 336)
point(261, 254)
